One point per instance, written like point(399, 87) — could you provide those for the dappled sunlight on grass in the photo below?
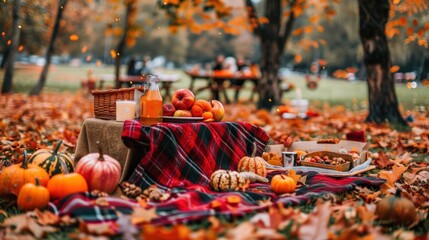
point(352, 94)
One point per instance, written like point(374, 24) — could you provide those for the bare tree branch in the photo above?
point(121, 45)
point(253, 17)
point(287, 29)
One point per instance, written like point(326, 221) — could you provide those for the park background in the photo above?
point(91, 42)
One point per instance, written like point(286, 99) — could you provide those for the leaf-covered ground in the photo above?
point(401, 158)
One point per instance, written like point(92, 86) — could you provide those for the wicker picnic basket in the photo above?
point(105, 101)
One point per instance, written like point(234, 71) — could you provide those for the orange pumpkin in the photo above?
point(283, 184)
point(396, 210)
point(12, 178)
point(253, 164)
point(33, 196)
point(66, 183)
point(201, 106)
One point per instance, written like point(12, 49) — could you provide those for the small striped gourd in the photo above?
point(226, 180)
point(253, 164)
point(50, 160)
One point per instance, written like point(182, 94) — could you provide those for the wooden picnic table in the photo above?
point(216, 83)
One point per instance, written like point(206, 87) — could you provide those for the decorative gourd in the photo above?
point(33, 196)
point(396, 210)
point(66, 183)
point(101, 172)
point(225, 180)
point(253, 164)
point(281, 183)
point(12, 178)
point(50, 160)
point(253, 177)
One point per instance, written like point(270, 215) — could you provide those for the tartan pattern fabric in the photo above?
point(173, 154)
point(86, 207)
point(194, 202)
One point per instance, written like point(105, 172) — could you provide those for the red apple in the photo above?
point(182, 113)
point(183, 99)
point(218, 110)
point(168, 109)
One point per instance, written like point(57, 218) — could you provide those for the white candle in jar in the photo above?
point(125, 110)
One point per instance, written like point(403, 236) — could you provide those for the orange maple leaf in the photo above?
point(297, 31)
point(394, 175)
point(394, 69)
point(263, 20)
point(292, 174)
point(383, 161)
point(298, 58)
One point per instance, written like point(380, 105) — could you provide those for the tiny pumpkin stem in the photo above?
point(37, 181)
point(25, 162)
point(254, 150)
point(57, 147)
point(100, 151)
point(398, 193)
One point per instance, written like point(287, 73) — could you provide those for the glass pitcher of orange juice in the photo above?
point(151, 103)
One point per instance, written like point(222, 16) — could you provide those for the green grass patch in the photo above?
point(351, 94)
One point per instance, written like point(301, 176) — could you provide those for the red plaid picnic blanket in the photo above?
point(181, 154)
point(193, 203)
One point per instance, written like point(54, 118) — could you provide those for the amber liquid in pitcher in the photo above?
point(151, 107)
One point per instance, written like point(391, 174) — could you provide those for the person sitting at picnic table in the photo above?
point(230, 65)
point(146, 66)
point(132, 69)
point(131, 66)
point(242, 70)
point(218, 64)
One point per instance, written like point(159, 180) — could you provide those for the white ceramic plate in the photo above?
point(182, 119)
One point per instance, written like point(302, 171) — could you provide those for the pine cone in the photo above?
point(130, 190)
point(99, 193)
point(153, 193)
point(7, 163)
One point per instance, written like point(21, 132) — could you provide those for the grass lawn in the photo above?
point(350, 94)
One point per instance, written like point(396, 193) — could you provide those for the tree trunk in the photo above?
point(383, 102)
point(121, 45)
point(274, 38)
point(424, 74)
point(36, 90)
point(269, 92)
point(10, 59)
point(5, 56)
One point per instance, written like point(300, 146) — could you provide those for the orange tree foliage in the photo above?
point(406, 19)
point(233, 17)
point(407, 14)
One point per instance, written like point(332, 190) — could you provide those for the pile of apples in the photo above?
point(184, 104)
